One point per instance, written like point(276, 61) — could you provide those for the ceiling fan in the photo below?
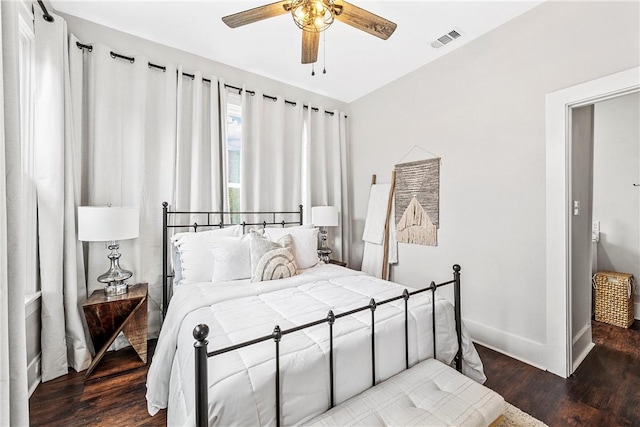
point(313, 17)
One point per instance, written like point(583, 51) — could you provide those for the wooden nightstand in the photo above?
point(336, 262)
point(107, 317)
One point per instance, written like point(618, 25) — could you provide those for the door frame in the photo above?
point(558, 206)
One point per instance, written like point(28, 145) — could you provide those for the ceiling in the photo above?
point(356, 63)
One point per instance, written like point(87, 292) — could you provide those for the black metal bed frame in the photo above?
point(231, 217)
point(201, 332)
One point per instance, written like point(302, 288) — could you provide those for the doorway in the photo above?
point(605, 223)
point(559, 207)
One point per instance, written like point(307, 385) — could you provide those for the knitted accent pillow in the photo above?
point(275, 264)
point(271, 260)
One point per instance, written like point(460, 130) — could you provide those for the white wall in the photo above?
point(616, 201)
point(482, 109)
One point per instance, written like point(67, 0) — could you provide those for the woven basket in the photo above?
point(614, 298)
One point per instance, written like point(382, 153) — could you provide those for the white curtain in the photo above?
point(292, 155)
point(271, 157)
point(223, 94)
point(128, 155)
point(148, 137)
point(327, 175)
point(14, 405)
point(57, 174)
point(198, 160)
point(158, 180)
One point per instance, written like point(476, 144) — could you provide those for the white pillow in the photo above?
point(231, 258)
point(195, 252)
point(305, 243)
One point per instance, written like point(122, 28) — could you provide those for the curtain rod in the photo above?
point(192, 76)
point(47, 16)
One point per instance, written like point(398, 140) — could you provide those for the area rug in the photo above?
point(514, 417)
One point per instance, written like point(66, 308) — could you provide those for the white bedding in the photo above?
point(241, 383)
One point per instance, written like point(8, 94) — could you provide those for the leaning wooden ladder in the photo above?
point(387, 225)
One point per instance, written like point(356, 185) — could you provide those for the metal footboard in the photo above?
point(201, 332)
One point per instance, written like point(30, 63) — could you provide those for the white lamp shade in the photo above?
point(104, 224)
point(324, 216)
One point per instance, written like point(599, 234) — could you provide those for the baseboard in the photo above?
point(578, 360)
point(522, 349)
point(637, 312)
point(582, 345)
point(34, 373)
point(584, 332)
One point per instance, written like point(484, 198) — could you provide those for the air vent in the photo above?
point(449, 37)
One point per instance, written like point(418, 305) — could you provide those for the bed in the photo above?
point(240, 382)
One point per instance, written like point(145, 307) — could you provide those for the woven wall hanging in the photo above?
point(418, 202)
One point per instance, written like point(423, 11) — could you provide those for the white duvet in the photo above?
point(241, 383)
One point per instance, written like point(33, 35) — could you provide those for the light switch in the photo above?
point(595, 231)
point(576, 207)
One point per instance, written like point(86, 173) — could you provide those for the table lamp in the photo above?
point(323, 217)
point(110, 224)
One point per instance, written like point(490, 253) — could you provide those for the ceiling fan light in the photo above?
point(312, 15)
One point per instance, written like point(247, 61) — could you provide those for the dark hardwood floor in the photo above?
point(604, 391)
point(116, 400)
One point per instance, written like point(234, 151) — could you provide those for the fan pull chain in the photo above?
point(313, 69)
point(324, 52)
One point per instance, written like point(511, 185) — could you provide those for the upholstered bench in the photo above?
point(428, 394)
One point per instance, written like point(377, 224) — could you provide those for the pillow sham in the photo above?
point(177, 268)
point(195, 252)
point(231, 259)
point(305, 243)
point(272, 260)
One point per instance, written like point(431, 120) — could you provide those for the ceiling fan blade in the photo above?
point(310, 43)
point(364, 20)
point(256, 14)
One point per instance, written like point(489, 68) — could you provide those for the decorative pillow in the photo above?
point(305, 243)
point(261, 244)
point(231, 259)
point(195, 252)
point(275, 264)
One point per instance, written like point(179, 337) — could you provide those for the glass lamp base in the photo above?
point(324, 251)
point(323, 254)
point(118, 288)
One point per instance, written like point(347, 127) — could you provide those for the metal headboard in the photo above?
point(214, 219)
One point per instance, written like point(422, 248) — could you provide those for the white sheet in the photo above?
point(372, 259)
point(373, 234)
point(236, 312)
point(376, 214)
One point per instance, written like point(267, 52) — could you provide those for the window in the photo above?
point(26, 57)
point(234, 150)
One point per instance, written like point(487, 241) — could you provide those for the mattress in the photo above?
point(241, 383)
